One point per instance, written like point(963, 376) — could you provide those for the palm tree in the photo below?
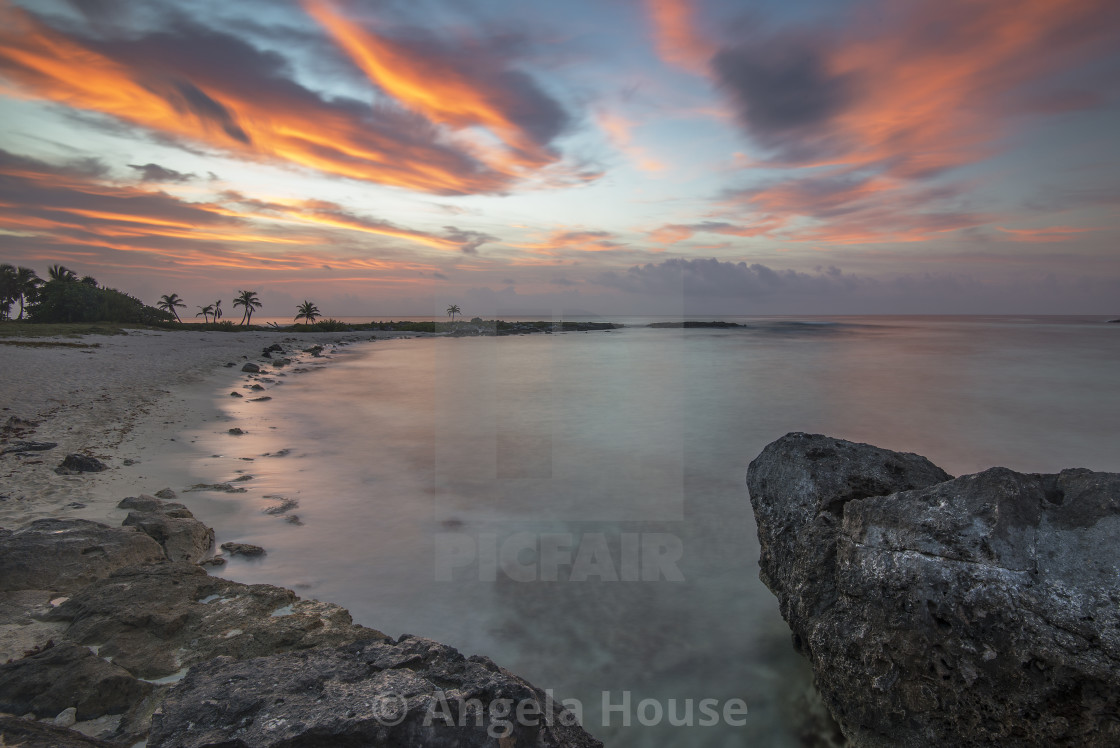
point(62, 273)
point(249, 300)
point(205, 312)
point(217, 311)
point(7, 289)
point(27, 283)
point(452, 311)
point(168, 303)
point(309, 312)
point(89, 280)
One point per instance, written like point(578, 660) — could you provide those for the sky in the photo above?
point(608, 157)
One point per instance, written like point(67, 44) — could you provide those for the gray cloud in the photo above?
point(156, 173)
point(469, 241)
point(784, 95)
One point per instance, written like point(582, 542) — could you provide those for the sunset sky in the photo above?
point(610, 157)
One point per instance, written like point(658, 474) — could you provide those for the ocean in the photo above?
point(574, 506)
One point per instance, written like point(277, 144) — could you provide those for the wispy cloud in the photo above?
point(863, 116)
point(461, 86)
point(212, 89)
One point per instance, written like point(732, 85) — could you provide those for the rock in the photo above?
point(183, 538)
point(981, 610)
point(222, 487)
point(66, 718)
point(68, 676)
point(293, 519)
point(28, 447)
point(146, 503)
point(22, 733)
point(166, 494)
point(236, 394)
point(260, 399)
point(285, 505)
point(279, 701)
point(237, 431)
point(155, 620)
point(66, 554)
point(242, 549)
point(798, 487)
point(251, 368)
point(212, 561)
point(281, 362)
point(257, 387)
point(274, 348)
point(79, 463)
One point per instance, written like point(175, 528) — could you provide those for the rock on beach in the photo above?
point(972, 611)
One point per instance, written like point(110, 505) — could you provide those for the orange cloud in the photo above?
point(619, 129)
point(558, 242)
point(882, 107)
point(1048, 234)
point(262, 117)
point(676, 36)
point(455, 92)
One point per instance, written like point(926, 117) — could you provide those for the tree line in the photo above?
point(63, 296)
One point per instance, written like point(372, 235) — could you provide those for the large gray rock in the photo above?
point(66, 554)
point(413, 692)
point(982, 610)
point(154, 620)
point(170, 524)
point(66, 676)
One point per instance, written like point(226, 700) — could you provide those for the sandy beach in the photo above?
point(124, 399)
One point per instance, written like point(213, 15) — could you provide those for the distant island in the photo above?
point(694, 323)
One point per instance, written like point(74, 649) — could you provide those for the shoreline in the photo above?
point(131, 402)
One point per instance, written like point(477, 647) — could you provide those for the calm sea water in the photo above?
point(427, 468)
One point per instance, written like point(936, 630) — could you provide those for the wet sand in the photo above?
point(132, 401)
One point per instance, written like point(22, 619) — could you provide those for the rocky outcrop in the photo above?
point(172, 525)
point(413, 692)
point(66, 676)
point(980, 610)
point(237, 664)
point(66, 554)
point(155, 620)
point(22, 733)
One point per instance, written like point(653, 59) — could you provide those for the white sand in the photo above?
point(126, 399)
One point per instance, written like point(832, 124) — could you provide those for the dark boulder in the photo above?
point(68, 675)
point(975, 611)
point(413, 692)
point(66, 554)
point(243, 549)
point(76, 463)
point(251, 368)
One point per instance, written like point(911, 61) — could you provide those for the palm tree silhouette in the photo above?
point(26, 284)
point(249, 300)
point(308, 311)
point(205, 312)
point(7, 289)
point(61, 273)
point(452, 311)
point(168, 303)
point(217, 312)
